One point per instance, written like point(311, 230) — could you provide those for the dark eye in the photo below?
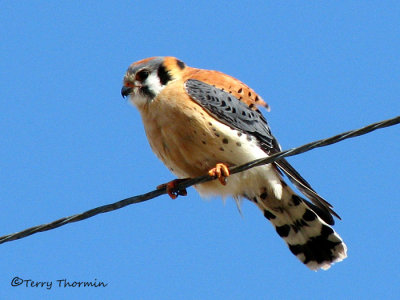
point(142, 75)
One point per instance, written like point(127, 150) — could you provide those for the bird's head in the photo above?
point(145, 79)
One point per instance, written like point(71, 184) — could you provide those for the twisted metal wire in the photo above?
point(189, 182)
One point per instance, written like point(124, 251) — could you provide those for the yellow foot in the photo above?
point(221, 171)
point(172, 188)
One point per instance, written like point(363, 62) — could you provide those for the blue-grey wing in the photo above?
point(232, 112)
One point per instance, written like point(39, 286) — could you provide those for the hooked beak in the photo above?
point(125, 91)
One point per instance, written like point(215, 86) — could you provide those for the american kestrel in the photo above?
point(201, 121)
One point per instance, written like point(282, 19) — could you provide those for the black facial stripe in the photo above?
point(163, 75)
point(180, 64)
point(147, 92)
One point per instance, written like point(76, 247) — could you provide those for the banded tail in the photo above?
point(299, 223)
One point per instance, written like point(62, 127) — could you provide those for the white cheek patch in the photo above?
point(153, 83)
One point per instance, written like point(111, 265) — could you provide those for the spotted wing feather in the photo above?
point(228, 84)
point(230, 111)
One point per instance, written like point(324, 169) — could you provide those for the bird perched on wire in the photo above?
point(201, 121)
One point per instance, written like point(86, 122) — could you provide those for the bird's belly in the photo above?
point(193, 142)
point(185, 145)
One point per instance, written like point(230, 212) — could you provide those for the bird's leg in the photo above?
point(172, 188)
point(221, 171)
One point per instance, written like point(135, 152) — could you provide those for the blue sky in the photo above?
point(69, 142)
